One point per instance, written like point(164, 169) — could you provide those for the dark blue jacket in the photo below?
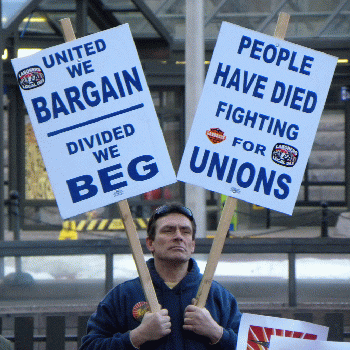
point(108, 328)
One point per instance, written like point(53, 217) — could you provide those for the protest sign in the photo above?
point(94, 121)
point(255, 331)
point(257, 118)
point(229, 208)
point(278, 343)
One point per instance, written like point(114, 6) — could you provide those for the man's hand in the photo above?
point(201, 322)
point(153, 327)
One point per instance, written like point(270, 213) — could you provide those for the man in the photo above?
point(122, 321)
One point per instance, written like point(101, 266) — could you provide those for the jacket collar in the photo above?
point(188, 282)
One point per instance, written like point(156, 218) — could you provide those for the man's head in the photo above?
point(171, 232)
point(167, 209)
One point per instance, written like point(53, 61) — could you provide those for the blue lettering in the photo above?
point(73, 95)
point(283, 55)
point(61, 57)
point(245, 166)
point(292, 59)
point(100, 45)
point(119, 84)
point(234, 81)
point(106, 179)
point(220, 168)
point(91, 102)
point(221, 74)
point(88, 67)
point(107, 90)
point(296, 97)
point(89, 49)
point(150, 170)
point(136, 82)
point(244, 44)
point(72, 147)
point(256, 48)
point(310, 96)
point(128, 129)
point(106, 136)
point(305, 63)
point(85, 185)
point(52, 62)
point(101, 154)
point(200, 168)
point(291, 133)
point(41, 111)
point(76, 69)
point(58, 105)
point(113, 151)
point(262, 179)
point(220, 109)
point(282, 182)
point(77, 50)
point(273, 55)
point(279, 88)
point(259, 86)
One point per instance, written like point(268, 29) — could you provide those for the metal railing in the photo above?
point(108, 248)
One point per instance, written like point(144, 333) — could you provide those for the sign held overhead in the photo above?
point(257, 118)
point(94, 121)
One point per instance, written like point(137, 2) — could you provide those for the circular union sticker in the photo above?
point(139, 310)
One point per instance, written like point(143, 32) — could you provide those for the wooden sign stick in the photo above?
point(129, 225)
point(228, 211)
point(215, 251)
point(137, 254)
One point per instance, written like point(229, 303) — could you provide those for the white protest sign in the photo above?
point(94, 121)
point(257, 118)
point(255, 331)
point(278, 343)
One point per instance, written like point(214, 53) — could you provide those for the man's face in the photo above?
point(173, 239)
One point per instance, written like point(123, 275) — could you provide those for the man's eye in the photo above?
point(167, 230)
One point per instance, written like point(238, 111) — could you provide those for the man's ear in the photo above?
point(193, 246)
point(149, 244)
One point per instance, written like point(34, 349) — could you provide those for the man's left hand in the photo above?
point(200, 321)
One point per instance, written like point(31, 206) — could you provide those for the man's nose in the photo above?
point(178, 234)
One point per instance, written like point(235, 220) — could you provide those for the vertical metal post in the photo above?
point(14, 213)
point(2, 194)
point(347, 145)
point(194, 81)
point(324, 221)
point(292, 280)
point(81, 18)
point(268, 218)
point(109, 272)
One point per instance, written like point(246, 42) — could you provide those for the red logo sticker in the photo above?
point(215, 135)
point(31, 77)
point(139, 310)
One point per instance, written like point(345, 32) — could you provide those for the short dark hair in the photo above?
point(165, 210)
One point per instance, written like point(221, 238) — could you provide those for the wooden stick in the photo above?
point(215, 251)
point(129, 225)
point(282, 25)
point(68, 32)
point(229, 208)
point(137, 254)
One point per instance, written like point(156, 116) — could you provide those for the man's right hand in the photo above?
point(153, 327)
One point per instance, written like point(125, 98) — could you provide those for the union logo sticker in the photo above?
point(139, 310)
point(285, 155)
point(215, 135)
point(31, 77)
